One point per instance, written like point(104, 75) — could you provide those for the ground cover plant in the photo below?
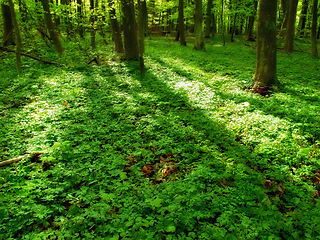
point(185, 151)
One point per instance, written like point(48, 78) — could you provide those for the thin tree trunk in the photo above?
point(8, 36)
point(51, 27)
point(303, 18)
point(265, 75)
point(288, 46)
point(80, 18)
point(116, 33)
point(223, 29)
point(141, 28)
point(199, 41)
point(214, 24)
point(92, 21)
point(314, 49)
point(17, 34)
point(251, 22)
point(209, 19)
point(182, 28)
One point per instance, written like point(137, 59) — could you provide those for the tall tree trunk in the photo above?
point(92, 21)
point(223, 29)
point(182, 28)
point(141, 28)
point(209, 19)
point(303, 17)
point(251, 22)
point(8, 25)
point(214, 24)
point(144, 10)
point(266, 45)
point(129, 30)
point(51, 27)
point(116, 33)
point(288, 45)
point(314, 49)
point(198, 19)
point(80, 18)
point(284, 16)
point(17, 34)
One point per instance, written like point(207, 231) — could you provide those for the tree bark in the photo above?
point(288, 46)
point(265, 75)
point(51, 27)
point(8, 37)
point(182, 28)
point(314, 49)
point(129, 30)
point(303, 18)
point(92, 21)
point(141, 28)
point(223, 29)
point(116, 33)
point(199, 41)
point(80, 18)
point(251, 22)
point(17, 35)
point(209, 19)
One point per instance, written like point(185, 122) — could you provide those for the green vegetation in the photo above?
point(185, 151)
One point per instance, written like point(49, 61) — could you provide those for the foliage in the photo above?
point(184, 152)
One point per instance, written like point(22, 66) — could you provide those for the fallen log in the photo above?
point(13, 160)
point(33, 156)
point(29, 56)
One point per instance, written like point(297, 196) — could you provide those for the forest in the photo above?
point(159, 119)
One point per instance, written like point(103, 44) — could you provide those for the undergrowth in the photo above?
point(185, 151)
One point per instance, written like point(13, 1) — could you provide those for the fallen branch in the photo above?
point(13, 160)
point(29, 56)
point(33, 156)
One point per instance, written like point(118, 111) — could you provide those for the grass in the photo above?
point(184, 152)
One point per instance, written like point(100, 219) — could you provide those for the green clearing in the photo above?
point(184, 152)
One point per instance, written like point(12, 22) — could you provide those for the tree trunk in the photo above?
point(51, 27)
point(144, 10)
point(284, 15)
point(116, 33)
point(141, 28)
point(182, 28)
point(223, 29)
point(8, 25)
point(314, 49)
point(288, 46)
point(251, 22)
point(17, 34)
point(303, 18)
point(214, 25)
point(265, 75)
point(199, 41)
point(92, 21)
point(129, 30)
point(208, 20)
point(80, 18)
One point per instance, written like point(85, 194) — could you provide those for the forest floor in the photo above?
point(185, 151)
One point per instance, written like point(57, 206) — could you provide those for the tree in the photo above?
point(292, 12)
point(181, 26)
point(314, 49)
point(209, 19)
point(17, 34)
point(8, 37)
point(252, 21)
point(303, 17)
point(198, 19)
point(116, 33)
point(92, 20)
point(51, 27)
point(265, 75)
point(129, 30)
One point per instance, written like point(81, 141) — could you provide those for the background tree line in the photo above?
point(129, 21)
